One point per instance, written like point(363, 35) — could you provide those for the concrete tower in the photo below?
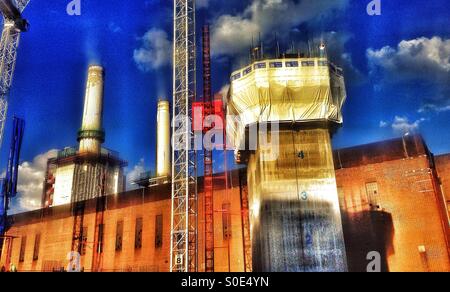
point(163, 156)
point(295, 218)
point(91, 135)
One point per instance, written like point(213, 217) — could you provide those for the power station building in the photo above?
point(90, 171)
point(311, 208)
point(390, 200)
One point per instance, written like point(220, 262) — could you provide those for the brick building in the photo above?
point(392, 203)
point(443, 168)
point(392, 198)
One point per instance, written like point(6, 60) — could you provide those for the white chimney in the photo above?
point(91, 135)
point(163, 155)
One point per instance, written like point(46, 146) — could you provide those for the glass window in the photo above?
point(138, 234)
point(276, 65)
point(247, 71)
point(236, 76)
point(119, 235)
point(226, 220)
point(323, 63)
point(37, 243)
point(260, 65)
point(159, 231)
point(292, 64)
point(308, 63)
point(23, 245)
point(373, 195)
point(101, 230)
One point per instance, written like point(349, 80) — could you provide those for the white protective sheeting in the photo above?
point(285, 90)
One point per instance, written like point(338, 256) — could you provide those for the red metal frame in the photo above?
point(208, 155)
point(99, 221)
point(207, 108)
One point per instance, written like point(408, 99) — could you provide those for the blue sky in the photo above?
point(397, 68)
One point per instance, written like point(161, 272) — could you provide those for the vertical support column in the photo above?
point(246, 233)
point(184, 220)
point(295, 217)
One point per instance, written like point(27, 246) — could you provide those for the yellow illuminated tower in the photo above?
point(294, 209)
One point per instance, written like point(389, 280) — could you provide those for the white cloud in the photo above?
point(422, 62)
point(402, 125)
point(135, 174)
point(155, 51)
point(420, 58)
point(383, 124)
point(232, 34)
point(434, 108)
point(30, 183)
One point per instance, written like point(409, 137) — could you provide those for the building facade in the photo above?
point(389, 195)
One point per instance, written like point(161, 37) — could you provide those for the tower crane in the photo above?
point(184, 218)
point(13, 25)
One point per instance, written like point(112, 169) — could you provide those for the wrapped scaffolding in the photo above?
point(295, 218)
point(284, 91)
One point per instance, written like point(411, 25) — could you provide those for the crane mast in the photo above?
point(9, 184)
point(184, 219)
point(13, 25)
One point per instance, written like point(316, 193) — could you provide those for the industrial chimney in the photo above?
point(91, 134)
point(163, 168)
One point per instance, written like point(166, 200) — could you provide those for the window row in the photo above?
point(118, 239)
point(278, 64)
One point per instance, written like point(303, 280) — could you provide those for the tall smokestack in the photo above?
point(91, 135)
point(163, 162)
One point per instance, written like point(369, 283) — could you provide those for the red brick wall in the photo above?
point(409, 215)
point(56, 236)
point(443, 169)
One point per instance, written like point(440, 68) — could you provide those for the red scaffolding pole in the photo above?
point(208, 156)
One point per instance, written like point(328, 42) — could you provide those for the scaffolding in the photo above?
point(208, 156)
point(246, 232)
point(184, 219)
point(13, 26)
point(99, 222)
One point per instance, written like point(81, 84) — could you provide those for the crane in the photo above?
point(184, 217)
point(13, 26)
point(9, 186)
